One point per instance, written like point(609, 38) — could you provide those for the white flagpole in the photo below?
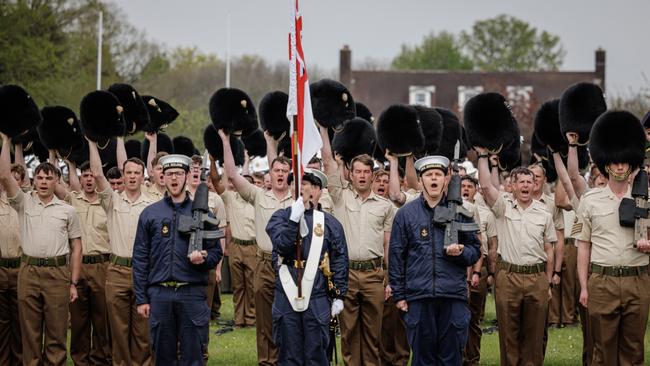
point(100, 31)
point(228, 53)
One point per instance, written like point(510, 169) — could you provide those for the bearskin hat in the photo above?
point(580, 105)
point(163, 143)
point(214, 145)
point(160, 112)
point(398, 130)
point(547, 126)
point(60, 128)
point(273, 114)
point(108, 154)
point(452, 131)
point(284, 147)
point(26, 137)
point(617, 137)
point(37, 149)
point(102, 116)
point(255, 143)
point(538, 151)
point(233, 110)
point(431, 126)
point(355, 138)
point(364, 112)
point(489, 122)
point(132, 148)
point(331, 102)
point(183, 145)
point(135, 112)
point(510, 156)
point(20, 112)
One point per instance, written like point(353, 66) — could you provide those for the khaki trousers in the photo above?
point(11, 350)
point(522, 308)
point(242, 261)
point(43, 299)
point(361, 318)
point(394, 350)
point(90, 342)
point(129, 331)
point(476, 304)
point(618, 313)
point(562, 308)
point(267, 352)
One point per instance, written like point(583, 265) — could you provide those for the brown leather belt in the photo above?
point(618, 271)
point(59, 261)
point(526, 269)
point(366, 265)
point(96, 258)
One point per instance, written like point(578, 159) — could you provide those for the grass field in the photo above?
point(237, 348)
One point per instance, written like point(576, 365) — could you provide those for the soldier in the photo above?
point(241, 247)
point(115, 179)
point(525, 264)
point(612, 264)
point(90, 343)
point(301, 328)
point(265, 204)
point(366, 219)
point(11, 349)
point(47, 279)
point(170, 285)
point(156, 188)
point(436, 316)
point(129, 330)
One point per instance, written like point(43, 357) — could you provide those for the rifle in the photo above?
point(332, 292)
point(197, 225)
point(451, 214)
point(633, 212)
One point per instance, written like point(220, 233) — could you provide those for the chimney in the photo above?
point(345, 65)
point(600, 67)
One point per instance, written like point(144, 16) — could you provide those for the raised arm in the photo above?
point(271, 148)
point(490, 192)
point(411, 174)
point(217, 183)
point(6, 179)
point(394, 188)
point(238, 181)
point(330, 165)
point(573, 166)
point(121, 152)
point(152, 137)
point(19, 155)
point(73, 178)
point(245, 169)
point(96, 167)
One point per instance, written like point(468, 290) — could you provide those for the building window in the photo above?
point(519, 94)
point(422, 95)
point(466, 93)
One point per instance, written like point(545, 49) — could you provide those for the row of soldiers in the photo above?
point(397, 288)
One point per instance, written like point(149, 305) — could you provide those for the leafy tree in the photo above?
point(505, 43)
point(441, 51)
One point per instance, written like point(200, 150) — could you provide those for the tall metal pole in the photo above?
point(296, 182)
point(100, 31)
point(228, 53)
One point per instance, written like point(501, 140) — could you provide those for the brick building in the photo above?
point(525, 90)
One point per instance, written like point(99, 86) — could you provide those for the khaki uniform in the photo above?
point(90, 342)
point(44, 276)
point(365, 223)
point(618, 286)
point(151, 189)
point(129, 331)
point(265, 204)
point(521, 283)
point(11, 350)
point(477, 295)
point(325, 201)
point(242, 257)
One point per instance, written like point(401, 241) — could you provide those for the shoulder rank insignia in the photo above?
point(318, 230)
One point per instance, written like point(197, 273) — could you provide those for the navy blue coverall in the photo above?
point(303, 337)
point(433, 284)
point(177, 313)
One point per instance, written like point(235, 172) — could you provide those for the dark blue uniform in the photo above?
point(432, 283)
point(303, 337)
point(160, 256)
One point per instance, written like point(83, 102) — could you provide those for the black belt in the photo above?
point(366, 265)
point(618, 271)
point(173, 284)
point(120, 261)
point(10, 262)
point(94, 259)
point(244, 242)
point(59, 261)
point(526, 269)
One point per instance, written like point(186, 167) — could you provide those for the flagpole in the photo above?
point(100, 31)
point(228, 52)
point(296, 187)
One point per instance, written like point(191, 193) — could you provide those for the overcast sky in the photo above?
point(377, 28)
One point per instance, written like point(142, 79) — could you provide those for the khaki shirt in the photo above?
point(488, 225)
point(93, 224)
point(46, 228)
point(556, 212)
point(522, 232)
point(215, 204)
point(10, 233)
point(153, 192)
point(611, 244)
point(240, 215)
point(474, 210)
point(325, 201)
point(265, 204)
point(364, 221)
point(122, 216)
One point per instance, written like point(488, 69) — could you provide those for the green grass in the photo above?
point(238, 348)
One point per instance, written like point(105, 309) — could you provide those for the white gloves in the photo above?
point(297, 210)
point(337, 307)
